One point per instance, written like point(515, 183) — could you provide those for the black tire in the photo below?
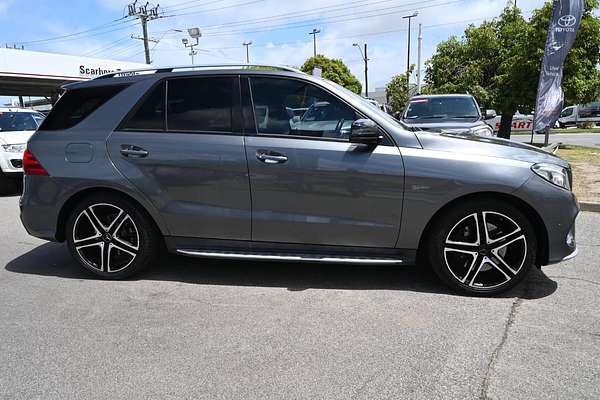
point(128, 248)
point(485, 268)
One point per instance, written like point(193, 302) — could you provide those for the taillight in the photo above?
point(31, 166)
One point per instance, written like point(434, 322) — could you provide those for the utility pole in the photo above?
point(247, 44)
point(409, 17)
point(366, 60)
point(145, 14)
point(315, 32)
point(420, 49)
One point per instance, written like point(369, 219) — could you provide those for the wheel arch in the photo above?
point(75, 198)
point(536, 221)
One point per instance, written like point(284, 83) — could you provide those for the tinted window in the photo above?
point(76, 104)
point(17, 121)
point(291, 107)
point(150, 114)
point(441, 107)
point(200, 104)
point(248, 114)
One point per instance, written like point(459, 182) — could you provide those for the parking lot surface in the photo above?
point(206, 329)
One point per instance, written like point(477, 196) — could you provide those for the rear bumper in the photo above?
point(39, 211)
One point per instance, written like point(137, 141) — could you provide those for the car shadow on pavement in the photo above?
point(15, 188)
point(53, 259)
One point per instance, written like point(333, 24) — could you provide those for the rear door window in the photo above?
point(200, 104)
point(77, 104)
point(150, 114)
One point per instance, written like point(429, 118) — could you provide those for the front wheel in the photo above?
point(111, 236)
point(482, 247)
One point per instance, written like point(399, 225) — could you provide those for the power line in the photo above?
point(335, 19)
point(105, 47)
point(300, 13)
point(215, 9)
point(178, 6)
point(111, 24)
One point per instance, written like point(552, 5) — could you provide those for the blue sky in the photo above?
point(279, 29)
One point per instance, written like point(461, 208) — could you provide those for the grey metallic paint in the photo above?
point(207, 186)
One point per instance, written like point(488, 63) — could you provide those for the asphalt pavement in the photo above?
point(251, 330)
point(579, 139)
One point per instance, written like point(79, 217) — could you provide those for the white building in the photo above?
point(32, 73)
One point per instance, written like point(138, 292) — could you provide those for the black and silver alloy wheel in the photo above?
point(106, 238)
point(111, 237)
point(483, 247)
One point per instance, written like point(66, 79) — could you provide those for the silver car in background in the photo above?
point(221, 162)
point(458, 114)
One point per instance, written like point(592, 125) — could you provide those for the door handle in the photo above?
point(129, 150)
point(271, 157)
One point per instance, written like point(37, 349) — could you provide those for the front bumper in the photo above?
point(558, 209)
point(11, 162)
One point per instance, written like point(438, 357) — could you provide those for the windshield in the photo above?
point(19, 121)
point(441, 107)
point(566, 112)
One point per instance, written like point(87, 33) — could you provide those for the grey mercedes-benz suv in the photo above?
point(216, 162)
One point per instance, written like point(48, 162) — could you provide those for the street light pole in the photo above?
point(247, 44)
point(409, 17)
point(366, 60)
point(315, 32)
point(419, 50)
point(196, 35)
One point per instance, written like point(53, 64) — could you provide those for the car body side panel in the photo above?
point(435, 178)
point(44, 196)
point(198, 182)
point(327, 193)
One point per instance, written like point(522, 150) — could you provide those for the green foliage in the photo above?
point(334, 70)
point(499, 61)
point(396, 92)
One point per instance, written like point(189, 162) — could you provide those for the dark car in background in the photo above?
point(448, 113)
point(211, 162)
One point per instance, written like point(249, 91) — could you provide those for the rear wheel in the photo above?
point(111, 236)
point(482, 247)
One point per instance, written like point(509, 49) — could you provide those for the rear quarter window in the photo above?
point(76, 105)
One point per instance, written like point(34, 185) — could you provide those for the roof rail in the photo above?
point(159, 70)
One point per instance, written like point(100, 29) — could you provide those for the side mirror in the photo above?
point(490, 114)
point(365, 131)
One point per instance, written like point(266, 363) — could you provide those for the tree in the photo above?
point(499, 62)
point(334, 70)
point(396, 93)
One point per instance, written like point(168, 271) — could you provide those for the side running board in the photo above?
point(287, 257)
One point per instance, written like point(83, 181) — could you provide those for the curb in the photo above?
point(589, 207)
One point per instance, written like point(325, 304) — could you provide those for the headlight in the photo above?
point(554, 174)
point(484, 131)
point(14, 148)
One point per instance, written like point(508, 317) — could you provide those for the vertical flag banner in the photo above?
point(564, 23)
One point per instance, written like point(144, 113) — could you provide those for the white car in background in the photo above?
point(16, 127)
